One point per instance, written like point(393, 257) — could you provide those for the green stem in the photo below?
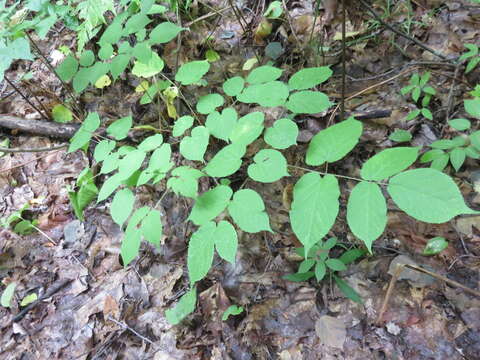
point(336, 175)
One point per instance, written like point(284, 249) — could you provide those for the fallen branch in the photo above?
point(37, 127)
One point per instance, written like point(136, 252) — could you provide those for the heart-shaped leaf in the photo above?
point(222, 125)
point(248, 211)
point(282, 134)
point(208, 103)
point(194, 147)
point(270, 166)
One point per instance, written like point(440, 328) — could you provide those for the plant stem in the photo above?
point(336, 175)
point(25, 98)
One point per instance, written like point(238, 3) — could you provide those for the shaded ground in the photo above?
point(100, 310)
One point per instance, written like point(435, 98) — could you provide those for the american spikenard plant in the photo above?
point(426, 194)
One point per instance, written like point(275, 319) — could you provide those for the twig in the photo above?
point(445, 279)
point(37, 127)
point(450, 94)
point(24, 163)
point(388, 294)
point(50, 67)
point(19, 150)
point(367, 89)
point(344, 59)
point(398, 32)
point(52, 290)
point(45, 116)
point(336, 175)
point(206, 16)
point(126, 327)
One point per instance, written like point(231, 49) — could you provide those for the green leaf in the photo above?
point(412, 115)
point(226, 241)
point(200, 252)
point(472, 107)
point(457, 158)
point(210, 204)
point(151, 143)
point(443, 144)
point(248, 211)
point(164, 33)
point(160, 159)
point(435, 246)
point(472, 64)
point(109, 186)
point(226, 161)
point(152, 227)
point(130, 163)
point(440, 163)
point(274, 10)
point(310, 77)
point(460, 124)
point(320, 270)
point(61, 114)
point(194, 147)
point(7, 294)
point(248, 128)
point(131, 242)
point(350, 256)
point(431, 155)
point(427, 195)
point(400, 135)
point(149, 69)
point(112, 34)
point(306, 265)
point(181, 125)
point(299, 277)
point(269, 166)
point(67, 69)
point(282, 134)
point(475, 139)
point(333, 143)
point(135, 23)
point(184, 181)
point(231, 310)
point(192, 72)
point(30, 298)
point(122, 206)
point(233, 86)
point(367, 212)
point(118, 65)
point(427, 113)
point(335, 265)
point(142, 52)
point(81, 80)
point(347, 290)
point(119, 128)
point(264, 74)
point(212, 56)
point(105, 52)
point(472, 153)
point(85, 132)
point(222, 125)
point(308, 102)
point(315, 207)
point(388, 163)
point(184, 307)
point(103, 149)
point(87, 58)
point(270, 94)
point(208, 103)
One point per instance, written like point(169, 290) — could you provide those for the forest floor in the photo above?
point(93, 308)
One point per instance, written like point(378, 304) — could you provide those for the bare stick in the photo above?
point(388, 294)
point(25, 98)
point(126, 327)
point(19, 150)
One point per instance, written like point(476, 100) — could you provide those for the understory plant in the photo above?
point(130, 44)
